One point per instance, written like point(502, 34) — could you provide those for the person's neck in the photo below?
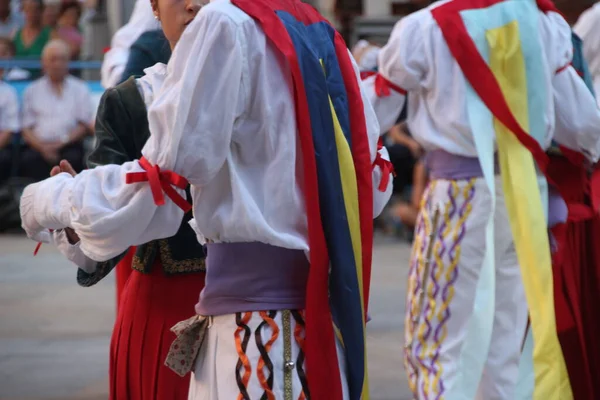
point(33, 27)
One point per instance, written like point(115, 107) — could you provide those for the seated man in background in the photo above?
point(57, 111)
point(9, 123)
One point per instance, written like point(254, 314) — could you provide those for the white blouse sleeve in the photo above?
point(108, 214)
point(577, 116)
point(73, 252)
point(190, 123)
point(401, 69)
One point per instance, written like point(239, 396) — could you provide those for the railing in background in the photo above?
point(37, 64)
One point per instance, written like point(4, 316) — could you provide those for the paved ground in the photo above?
point(54, 335)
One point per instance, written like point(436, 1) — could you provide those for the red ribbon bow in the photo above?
point(386, 168)
point(161, 181)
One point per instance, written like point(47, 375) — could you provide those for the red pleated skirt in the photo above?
point(122, 271)
point(150, 305)
point(576, 285)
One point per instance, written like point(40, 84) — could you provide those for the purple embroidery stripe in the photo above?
point(453, 255)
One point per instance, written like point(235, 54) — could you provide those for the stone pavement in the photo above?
point(54, 335)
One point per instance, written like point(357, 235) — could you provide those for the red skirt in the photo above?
point(150, 305)
point(122, 271)
point(576, 286)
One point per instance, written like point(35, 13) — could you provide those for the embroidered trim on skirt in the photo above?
point(252, 356)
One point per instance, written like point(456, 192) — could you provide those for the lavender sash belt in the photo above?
point(444, 165)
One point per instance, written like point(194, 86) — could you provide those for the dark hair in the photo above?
point(9, 43)
point(39, 3)
point(67, 5)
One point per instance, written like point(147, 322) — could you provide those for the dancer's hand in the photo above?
point(65, 166)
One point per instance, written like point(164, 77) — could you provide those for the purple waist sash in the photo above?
point(252, 276)
point(444, 165)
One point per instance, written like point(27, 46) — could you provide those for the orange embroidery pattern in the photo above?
point(243, 361)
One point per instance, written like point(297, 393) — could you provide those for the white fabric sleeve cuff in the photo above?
point(28, 221)
point(380, 199)
point(73, 252)
point(46, 205)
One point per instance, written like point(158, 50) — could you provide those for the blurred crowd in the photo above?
point(31, 24)
point(51, 118)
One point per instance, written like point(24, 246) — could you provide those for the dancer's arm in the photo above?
point(191, 134)
point(402, 67)
point(382, 184)
point(114, 144)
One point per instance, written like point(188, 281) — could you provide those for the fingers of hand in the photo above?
point(66, 166)
point(55, 171)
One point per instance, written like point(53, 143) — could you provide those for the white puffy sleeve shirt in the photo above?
point(417, 60)
point(147, 85)
point(225, 120)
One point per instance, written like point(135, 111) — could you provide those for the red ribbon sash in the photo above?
point(161, 181)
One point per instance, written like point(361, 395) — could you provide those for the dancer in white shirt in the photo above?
point(489, 86)
point(283, 162)
point(142, 20)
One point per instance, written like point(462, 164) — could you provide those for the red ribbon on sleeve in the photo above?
point(161, 182)
point(383, 86)
point(386, 168)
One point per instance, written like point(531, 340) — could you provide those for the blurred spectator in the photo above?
point(404, 213)
point(7, 51)
point(141, 20)
point(31, 39)
point(404, 153)
point(56, 114)
point(9, 24)
point(149, 49)
point(9, 125)
point(51, 13)
point(410, 181)
point(67, 28)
